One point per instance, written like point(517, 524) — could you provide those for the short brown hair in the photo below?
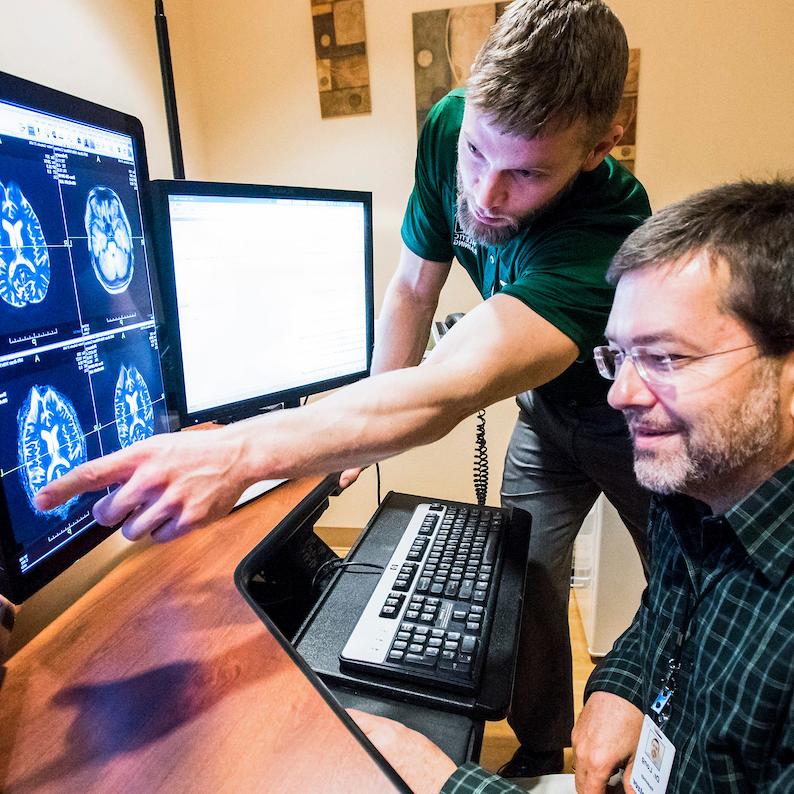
point(550, 63)
point(749, 226)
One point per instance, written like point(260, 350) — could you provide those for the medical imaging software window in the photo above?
point(79, 365)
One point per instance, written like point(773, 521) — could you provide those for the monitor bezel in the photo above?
point(15, 584)
point(168, 327)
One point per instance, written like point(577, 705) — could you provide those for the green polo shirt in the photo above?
point(556, 266)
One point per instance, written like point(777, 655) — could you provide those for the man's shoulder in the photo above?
point(610, 193)
point(442, 126)
point(449, 109)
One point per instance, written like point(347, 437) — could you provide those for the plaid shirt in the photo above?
point(728, 581)
point(473, 779)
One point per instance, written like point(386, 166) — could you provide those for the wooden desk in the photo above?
point(161, 678)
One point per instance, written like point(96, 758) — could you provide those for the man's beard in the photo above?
point(498, 235)
point(716, 449)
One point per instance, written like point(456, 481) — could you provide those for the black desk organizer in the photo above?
point(282, 580)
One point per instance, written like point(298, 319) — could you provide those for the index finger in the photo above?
point(91, 476)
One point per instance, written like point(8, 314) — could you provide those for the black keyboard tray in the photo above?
point(330, 622)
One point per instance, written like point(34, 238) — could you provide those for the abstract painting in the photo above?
point(341, 52)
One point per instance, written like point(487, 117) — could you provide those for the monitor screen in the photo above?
point(267, 293)
point(79, 360)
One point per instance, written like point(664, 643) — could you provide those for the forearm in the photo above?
point(359, 425)
point(403, 331)
point(407, 312)
point(393, 411)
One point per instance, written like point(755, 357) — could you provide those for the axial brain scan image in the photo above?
point(133, 406)
point(24, 260)
point(51, 442)
point(109, 239)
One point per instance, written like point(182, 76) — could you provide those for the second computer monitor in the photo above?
point(267, 293)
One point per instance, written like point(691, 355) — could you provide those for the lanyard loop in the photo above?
point(660, 707)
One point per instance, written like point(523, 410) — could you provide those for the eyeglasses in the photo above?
point(653, 365)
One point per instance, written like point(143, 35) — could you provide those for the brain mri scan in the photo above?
point(24, 260)
point(133, 406)
point(109, 239)
point(51, 442)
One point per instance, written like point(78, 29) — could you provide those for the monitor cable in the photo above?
point(336, 564)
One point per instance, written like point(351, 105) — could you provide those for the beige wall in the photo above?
point(716, 91)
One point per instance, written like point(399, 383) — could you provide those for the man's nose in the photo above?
point(628, 388)
point(490, 191)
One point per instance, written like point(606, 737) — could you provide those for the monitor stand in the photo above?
point(255, 490)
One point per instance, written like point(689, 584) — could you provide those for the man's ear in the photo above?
point(608, 142)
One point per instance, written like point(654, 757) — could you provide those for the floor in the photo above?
point(500, 742)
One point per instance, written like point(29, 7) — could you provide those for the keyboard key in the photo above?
point(415, 658)
point(423, 585)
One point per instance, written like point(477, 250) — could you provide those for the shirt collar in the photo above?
point(762, 522)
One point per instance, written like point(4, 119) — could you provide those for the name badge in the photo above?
point(653, 760)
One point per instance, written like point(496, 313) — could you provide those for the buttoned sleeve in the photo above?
point(621, 671)
point(473, 779)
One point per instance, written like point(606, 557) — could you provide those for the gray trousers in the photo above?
point(560, 458)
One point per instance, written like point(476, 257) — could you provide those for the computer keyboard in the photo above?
point(429, 617)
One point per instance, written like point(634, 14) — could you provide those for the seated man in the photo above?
point(696, 695)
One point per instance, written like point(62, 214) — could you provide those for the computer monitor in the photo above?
point(267, 294)
point(79, 359)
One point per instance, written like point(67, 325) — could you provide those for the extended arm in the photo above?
point(172, 484)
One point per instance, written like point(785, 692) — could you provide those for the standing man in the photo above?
point(698, 694)
point(512, 180)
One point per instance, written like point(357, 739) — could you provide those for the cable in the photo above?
point(480, 461)
point(336, 563)
point(377, 474)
